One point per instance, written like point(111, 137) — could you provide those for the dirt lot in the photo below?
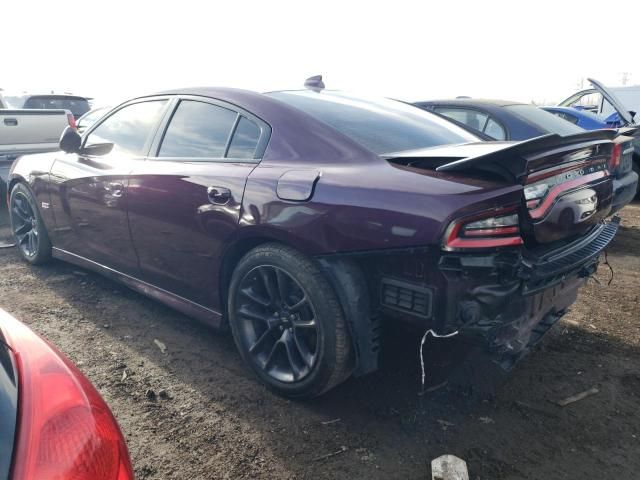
point(210, 419)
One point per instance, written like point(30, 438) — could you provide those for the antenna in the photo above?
point(625, 77)
point(314, 83)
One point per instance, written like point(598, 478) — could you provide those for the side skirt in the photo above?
point(192, 309)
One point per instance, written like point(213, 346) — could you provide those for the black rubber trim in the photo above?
point(553, 269)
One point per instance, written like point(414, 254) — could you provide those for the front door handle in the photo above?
point(116, 189)
point(11, 122)
point(218, 195)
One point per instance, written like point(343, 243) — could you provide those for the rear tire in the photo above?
point(287, 322)
point(27, 227)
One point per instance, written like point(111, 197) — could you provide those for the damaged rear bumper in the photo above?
point(509, 318)
point(502, 301)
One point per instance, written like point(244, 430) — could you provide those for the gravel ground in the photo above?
point(194, 411)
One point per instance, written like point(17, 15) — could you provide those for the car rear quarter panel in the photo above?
point(366, 205)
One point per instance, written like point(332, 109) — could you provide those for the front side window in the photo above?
point(198, 130)
point(129, 128)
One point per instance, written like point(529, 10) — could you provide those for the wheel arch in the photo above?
point(13, 181)
point(348, 282)
point(230, 258)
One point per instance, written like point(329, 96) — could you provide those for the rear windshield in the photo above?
point(381, 125)
point(76, 105)
point(544, 120)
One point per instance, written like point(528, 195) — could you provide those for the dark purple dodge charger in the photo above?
point(302, 219)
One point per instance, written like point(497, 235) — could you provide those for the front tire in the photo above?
point(287, 322)
point(27, 226)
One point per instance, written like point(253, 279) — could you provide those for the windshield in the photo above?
point(76, 105)
point(381, 125)
point(544, 120)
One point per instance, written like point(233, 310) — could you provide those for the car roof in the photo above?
point(472, 102)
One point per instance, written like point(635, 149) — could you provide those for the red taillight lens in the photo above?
point(487, 230)
point(65, 429)
point(72, 120)
point(616, 156)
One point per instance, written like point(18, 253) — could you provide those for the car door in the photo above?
point(184, 201)
point(89, 192)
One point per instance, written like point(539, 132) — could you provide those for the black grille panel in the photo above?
point(406, 297)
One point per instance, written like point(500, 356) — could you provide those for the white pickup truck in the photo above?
point(31, 131)
point(34, 123)
point(26, 130)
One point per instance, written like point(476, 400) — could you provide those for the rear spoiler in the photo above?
point(512, 162)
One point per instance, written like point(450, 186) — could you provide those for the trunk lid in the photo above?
point(567, 186)
point(625, 115)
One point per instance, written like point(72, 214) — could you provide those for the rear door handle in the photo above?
point(218, 195)
point(11, 122)
point(116, 189)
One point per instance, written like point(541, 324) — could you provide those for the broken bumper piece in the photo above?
point(511, 317)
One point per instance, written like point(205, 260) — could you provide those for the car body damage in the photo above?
point(501, 301)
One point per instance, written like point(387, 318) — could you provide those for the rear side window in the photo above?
point(473, 118)
point(198, 130)
point(544, 120)
point(129, 128)
point(245, 140)
point(495, 130)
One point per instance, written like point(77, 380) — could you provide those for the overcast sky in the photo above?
point(410, 50)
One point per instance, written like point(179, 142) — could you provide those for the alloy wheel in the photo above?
point(277, 323)
point(25, 225)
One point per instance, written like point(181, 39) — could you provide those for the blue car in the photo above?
point(584, 118)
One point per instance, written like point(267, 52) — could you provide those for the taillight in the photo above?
point(65, 429)
point(496, 228)
point(72, 121)
point(616, 156)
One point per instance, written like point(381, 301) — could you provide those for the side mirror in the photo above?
point(70, 141)
point(97, 149)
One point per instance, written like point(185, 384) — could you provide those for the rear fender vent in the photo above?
point(406, 297)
